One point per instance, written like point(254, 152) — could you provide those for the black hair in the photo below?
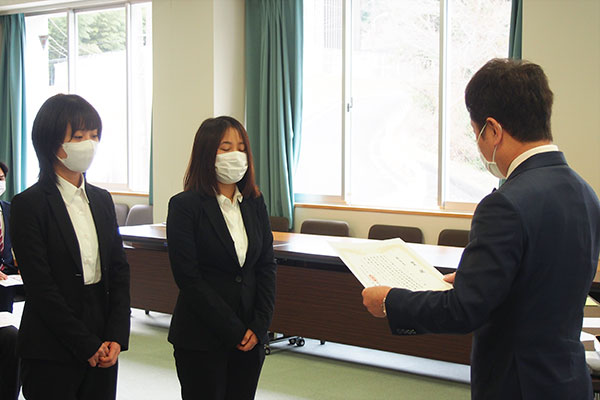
point(515, 93)
point(50, 127)
point(201, 175)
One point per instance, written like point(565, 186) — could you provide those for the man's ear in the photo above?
point(498, 131)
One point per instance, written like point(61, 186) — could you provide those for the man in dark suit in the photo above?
point(523, 279)
point(7, 266)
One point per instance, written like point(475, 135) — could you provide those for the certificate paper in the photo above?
point(12, 280)
point(6, 319)
point(389, 263)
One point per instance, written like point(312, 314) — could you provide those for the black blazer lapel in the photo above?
point(63, 221)
point(215, 216)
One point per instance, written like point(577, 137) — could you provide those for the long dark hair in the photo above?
point(50, 126)
point(201, 174)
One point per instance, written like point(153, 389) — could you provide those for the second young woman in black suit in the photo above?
point(221, 253)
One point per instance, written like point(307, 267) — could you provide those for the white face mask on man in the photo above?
point(79, 155)
point(2, 187)
point(231, 166)
point(491, 166)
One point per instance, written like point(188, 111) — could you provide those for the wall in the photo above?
point(564, 38)
point(199, 70)
point(198, 73)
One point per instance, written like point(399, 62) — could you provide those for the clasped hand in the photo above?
point(106, 356)
point(248, 341)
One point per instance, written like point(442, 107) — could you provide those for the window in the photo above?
point(375, 132)
point(105, 56)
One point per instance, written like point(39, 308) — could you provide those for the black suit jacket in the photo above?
point(521, 285)
point(45, 243)
point(6, 258)
point(219, 300)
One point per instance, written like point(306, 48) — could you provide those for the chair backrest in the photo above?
point(409, 234)
point(325, 227)
point(280, 224)
point(121, 210)
point(140, 214)
point(453, 237)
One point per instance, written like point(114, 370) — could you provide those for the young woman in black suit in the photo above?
point(221, 253)
point(64, 233)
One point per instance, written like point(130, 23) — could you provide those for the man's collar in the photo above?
point(526, 154)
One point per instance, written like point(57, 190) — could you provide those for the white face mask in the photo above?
point(231, 167)
point(491, 166)
point(2, 187)
point(79, 155)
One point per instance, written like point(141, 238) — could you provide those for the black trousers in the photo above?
point(73, 380)
point(9, 364)
point(44, 379)
point(219, 374)
point(7, 295)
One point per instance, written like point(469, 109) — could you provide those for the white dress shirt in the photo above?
point(531, 152)
point(78, 207)
point(235, 223)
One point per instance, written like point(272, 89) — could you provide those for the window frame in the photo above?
point(443, 137)
point(71, 11)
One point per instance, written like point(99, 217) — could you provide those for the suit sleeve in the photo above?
point(483, 280)
point(193, 288)
point(30, 246)
point(119, 311)
point(265, 277)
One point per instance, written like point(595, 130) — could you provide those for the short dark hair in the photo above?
point(4, 168)
point(515, 93)
point(201, 174)
point(50, 126)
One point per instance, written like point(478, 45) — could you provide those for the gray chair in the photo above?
point(409, 234)
point(325, 227)
point(121, 210)
point(280, 224)
point(139, 214)
point(453, 237)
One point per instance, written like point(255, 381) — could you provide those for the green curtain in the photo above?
point(516, 30)
point(13, 124)
point(274, 39)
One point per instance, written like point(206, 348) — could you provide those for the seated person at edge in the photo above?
point(221, 252)
point(75, 321)
point(9, 362)
point(7, 265)
point(523, 279)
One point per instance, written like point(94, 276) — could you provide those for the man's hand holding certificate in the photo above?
point(383, 264)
